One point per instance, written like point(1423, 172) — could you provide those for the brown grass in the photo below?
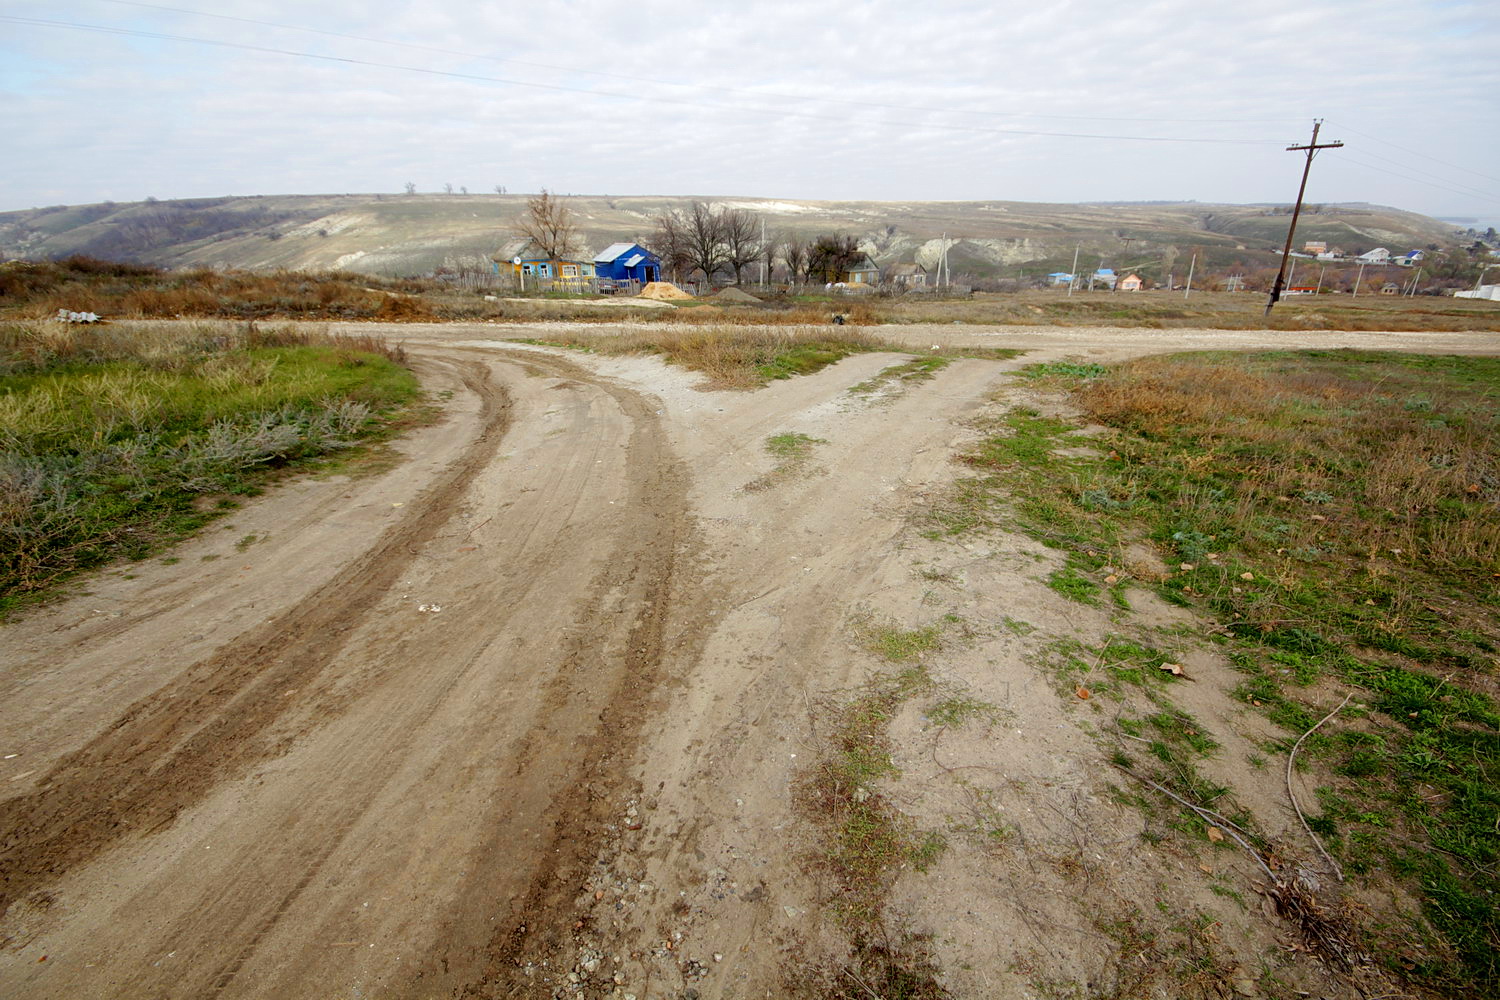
point(736, 357)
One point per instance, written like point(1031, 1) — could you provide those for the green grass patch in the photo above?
point(113, 444)
point(918, 369)
point(1339, 513)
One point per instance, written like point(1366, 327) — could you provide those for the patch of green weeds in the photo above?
point(1074, 586)
point(918, 369)
point(245, 542)
point(1339, 512)
point(957, 710)
point(792, 446)
point(866, 841)
point(792, 451)
point(1064, 370)
point(902, 644)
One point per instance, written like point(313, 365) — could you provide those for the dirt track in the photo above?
point(263, 770)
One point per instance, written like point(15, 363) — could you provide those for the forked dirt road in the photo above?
point(525, 706)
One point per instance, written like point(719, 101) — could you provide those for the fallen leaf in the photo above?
point(1082, 692)
point(1215, 835)
point(1247, 576)
point(1175, 669)
point(1205, 869)
point(1185, 567)
point(1111, 579)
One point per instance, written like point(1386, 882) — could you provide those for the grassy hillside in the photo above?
point(403, 235)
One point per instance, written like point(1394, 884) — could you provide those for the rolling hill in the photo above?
point(403, 235)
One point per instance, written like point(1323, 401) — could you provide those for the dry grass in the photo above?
point(736, 357)
point(114, 441)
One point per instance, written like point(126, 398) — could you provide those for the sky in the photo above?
point(1069, 101)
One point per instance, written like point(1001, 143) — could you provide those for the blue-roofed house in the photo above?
point(1104, 276)
point(623, 262)
point(1060, 278)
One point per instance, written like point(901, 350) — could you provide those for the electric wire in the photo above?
point(481, 78)
point(1424, 156)
point(760, 95)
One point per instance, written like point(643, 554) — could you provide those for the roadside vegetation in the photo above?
point(864, 841)
point(742, 357)
point(36, 290)
point(1337, 514)
point(114, 442)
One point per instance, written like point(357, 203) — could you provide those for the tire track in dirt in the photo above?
point(575, 760)
point(168, 749)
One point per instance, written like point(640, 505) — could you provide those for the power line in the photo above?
point(1424, 156)
point(1357, 161)
point(671, 83)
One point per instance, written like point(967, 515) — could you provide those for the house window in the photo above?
point(543, 270)
point(570, 270)
point(525, 268)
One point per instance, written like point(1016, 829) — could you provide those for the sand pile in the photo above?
point(663, 290)
point(731, 294)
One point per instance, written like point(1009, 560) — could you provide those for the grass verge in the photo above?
point(113, 443)
point(1338, 513)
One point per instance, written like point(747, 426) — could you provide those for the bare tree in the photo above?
point(794, 250)
point(549, 224)
point(704, 240)
point(447, 188)
point(411, 187)
point(669, 242)
point(831, 255)
point(463, 190)
point(499, 188)
point(768, 250)
point(740, 231)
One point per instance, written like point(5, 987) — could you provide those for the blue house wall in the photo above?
point(613, 263)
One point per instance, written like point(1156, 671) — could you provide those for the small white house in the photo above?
point(1380, 255)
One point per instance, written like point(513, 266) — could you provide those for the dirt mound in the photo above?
point(663, 290)
point(731, 294)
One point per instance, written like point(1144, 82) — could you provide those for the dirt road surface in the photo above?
point(519, 715)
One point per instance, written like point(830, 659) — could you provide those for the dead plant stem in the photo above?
point(1291, 758)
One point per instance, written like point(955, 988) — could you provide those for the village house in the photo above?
point(530, 267)
point(627, 263)
point(907, 276)
point(861, 272)
point(1409, 259)
point(1130, 283)
point(1314, 247)
point(1059, 278)
point(1380, 255)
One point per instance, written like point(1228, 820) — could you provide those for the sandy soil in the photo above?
point(520, 716)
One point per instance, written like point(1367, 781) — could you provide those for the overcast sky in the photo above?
point(859, 99)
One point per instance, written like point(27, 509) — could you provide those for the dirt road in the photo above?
point(525, 707)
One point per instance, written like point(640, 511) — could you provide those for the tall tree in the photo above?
point(794, 250)
point(549, 224)
point(669, 242)
point(831, 255)
point(704, 240)
point(741, 235)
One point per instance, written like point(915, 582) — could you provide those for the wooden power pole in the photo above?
point(1312, 149)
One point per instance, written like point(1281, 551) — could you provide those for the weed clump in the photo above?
point(113, 442)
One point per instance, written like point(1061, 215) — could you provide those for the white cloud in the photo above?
point(774, 99)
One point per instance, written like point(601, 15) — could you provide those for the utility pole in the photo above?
point(1073, 277)
point(1319, 290)
point(1311, 149)
point(1189, 288)
point(1357, 279)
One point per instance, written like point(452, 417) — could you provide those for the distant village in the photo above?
point(702, 248)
